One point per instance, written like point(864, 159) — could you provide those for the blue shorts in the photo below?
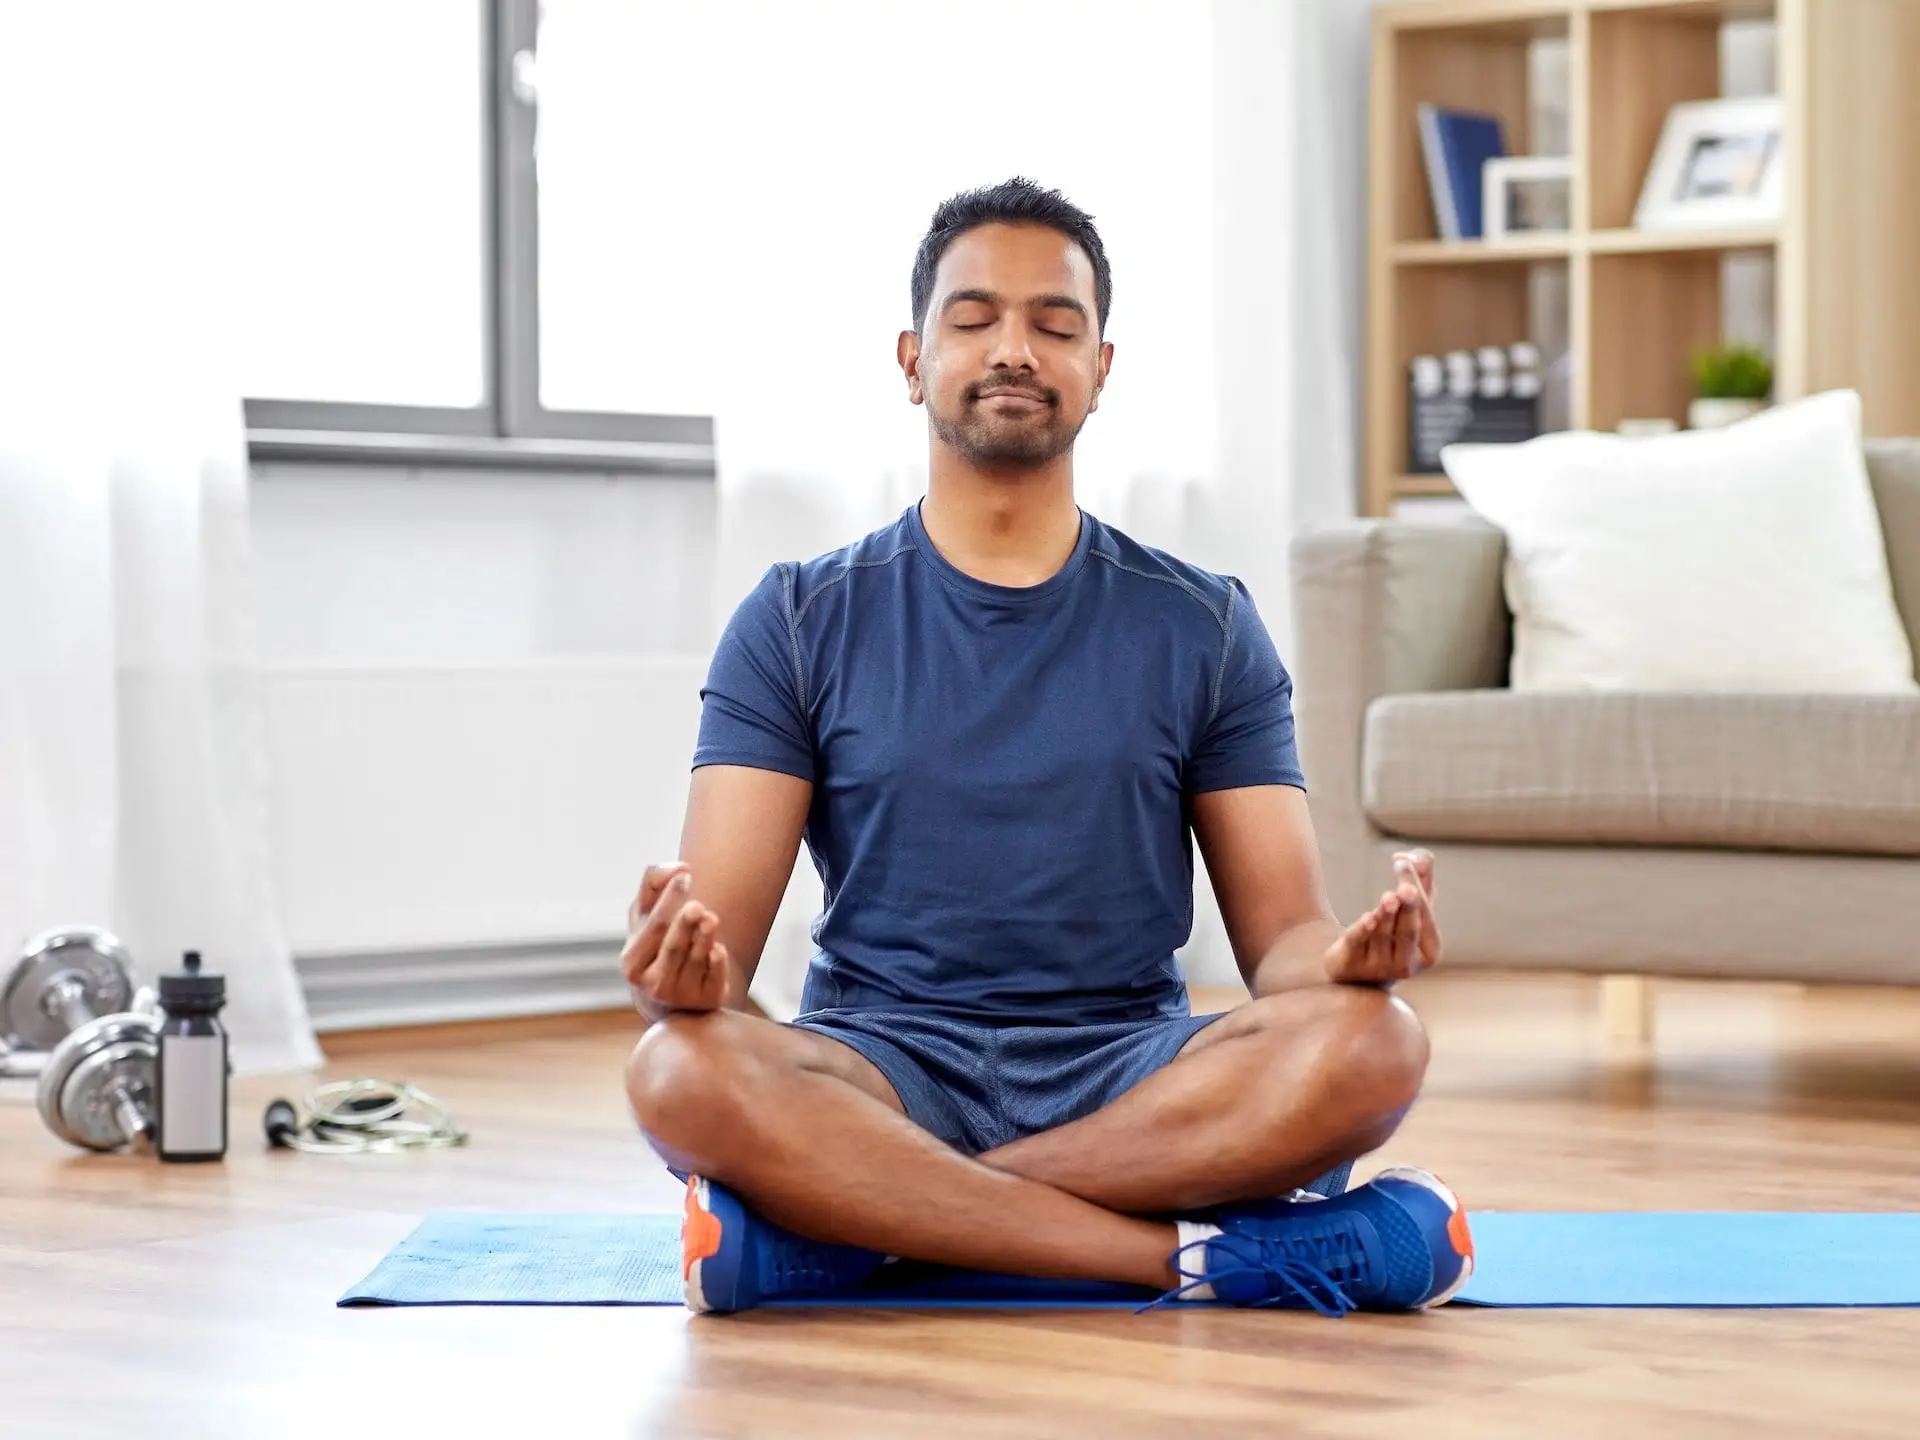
point(979, 1086)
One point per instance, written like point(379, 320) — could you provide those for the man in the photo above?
point(997, 723)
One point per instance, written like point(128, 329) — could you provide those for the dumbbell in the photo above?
point(62, 980)
point(97, 1090)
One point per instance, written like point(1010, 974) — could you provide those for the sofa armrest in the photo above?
point(1383, 607)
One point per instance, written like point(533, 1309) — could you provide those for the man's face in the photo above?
point(1009, 361)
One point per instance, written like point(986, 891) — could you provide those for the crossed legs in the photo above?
point(810, 1133)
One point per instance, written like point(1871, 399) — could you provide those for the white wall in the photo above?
point(482, 692)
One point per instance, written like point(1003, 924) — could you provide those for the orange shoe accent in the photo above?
point(1457, 1232)
point(699, 1233)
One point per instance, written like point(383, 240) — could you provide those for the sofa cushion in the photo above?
point(1735, 561)
point(1826, 773)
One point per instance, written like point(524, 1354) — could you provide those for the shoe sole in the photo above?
point(700, 1236)
point(1458, 1235)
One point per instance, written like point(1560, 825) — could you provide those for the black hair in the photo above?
point(1012, 202)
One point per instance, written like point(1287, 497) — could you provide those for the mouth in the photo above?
point(1016, 400)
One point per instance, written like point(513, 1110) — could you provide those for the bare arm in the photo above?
point(1264, 862)
point(698, 948)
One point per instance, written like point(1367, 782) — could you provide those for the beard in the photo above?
point(992, 441)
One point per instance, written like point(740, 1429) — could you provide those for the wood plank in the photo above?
point(1461, 309)
point(148, 1300)
point(1644, 242)
point(1506, 18)
point(1386, 402)
point(1482, 252)
point(1792, 295)
point(1854, 271)
point(1640, 65)
point(1715, 10)
point(1649, 314)
point(1580, 120)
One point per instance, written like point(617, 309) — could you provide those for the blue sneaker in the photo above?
point(733, 1260)
point(1399, 1242)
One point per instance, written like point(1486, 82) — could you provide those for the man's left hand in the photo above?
point(1399, 937)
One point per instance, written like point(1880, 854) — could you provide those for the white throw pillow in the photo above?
point(1744, 559)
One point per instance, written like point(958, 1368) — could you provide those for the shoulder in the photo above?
point(1205, 598)
point(806, 585)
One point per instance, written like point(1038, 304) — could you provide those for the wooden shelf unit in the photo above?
point(1846, 252)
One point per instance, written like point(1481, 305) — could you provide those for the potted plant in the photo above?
point(1730, 382)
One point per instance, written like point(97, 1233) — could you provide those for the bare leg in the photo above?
point(813, 1137)
point(1263, 1100)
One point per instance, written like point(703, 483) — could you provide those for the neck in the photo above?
point(1004, 527)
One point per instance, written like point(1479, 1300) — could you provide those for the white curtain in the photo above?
point(133, 782)
point(1218, 147)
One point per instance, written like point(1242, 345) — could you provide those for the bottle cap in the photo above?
point(189, 990)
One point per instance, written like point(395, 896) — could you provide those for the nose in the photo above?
point(1012, 346)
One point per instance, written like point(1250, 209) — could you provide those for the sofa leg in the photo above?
point(1626, 1009)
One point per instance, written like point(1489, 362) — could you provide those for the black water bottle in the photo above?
point(190, 1089)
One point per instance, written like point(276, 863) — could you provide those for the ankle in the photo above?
point(1189, 1258)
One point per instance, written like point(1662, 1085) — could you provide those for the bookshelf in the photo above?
point(1842, 278)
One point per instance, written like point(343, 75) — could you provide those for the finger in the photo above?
point(719, 978)
point(663, 978)
point(686, 980)
point(1429, 942)
point(1380, 947)
point(1427, 952)
point(1368, 927)
point(666, 905)
point(652, 882)
point(644, 944)
point(1345, 955)
point(692, 978)
point(1406, 941)
point(694, 984)
point(632, 964)
point(1423, 867)
point(1407, 879)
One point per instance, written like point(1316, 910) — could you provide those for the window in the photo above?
point(359, 131)
point(731, 191)
point(607, 220)
point(393, 279)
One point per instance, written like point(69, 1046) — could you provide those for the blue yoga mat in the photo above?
point(1694, 1259)
point(1672, 1259)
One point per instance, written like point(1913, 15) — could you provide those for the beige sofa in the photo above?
point(1751, 836)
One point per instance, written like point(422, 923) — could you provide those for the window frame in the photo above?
point(509, 427)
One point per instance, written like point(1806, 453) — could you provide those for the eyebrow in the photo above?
point(988, 297)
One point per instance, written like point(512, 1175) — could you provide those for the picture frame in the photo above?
point(1718, 163)
point(1526, 195)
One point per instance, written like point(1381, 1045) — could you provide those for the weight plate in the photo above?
point(90, 956)
point(79, 1091)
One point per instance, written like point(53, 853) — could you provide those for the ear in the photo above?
point(908, 353)
point(1100, 380)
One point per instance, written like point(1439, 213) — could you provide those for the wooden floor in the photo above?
point(144, 1300)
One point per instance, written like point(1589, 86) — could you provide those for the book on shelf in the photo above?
point(1455, 144)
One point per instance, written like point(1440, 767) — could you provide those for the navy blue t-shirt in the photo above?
point(1001, 774)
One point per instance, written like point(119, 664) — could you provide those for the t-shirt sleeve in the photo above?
point(751, 711)
point(1248, 739)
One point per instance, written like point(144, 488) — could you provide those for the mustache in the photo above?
point(1015, 384)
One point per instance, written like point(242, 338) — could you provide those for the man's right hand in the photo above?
point(672, 960)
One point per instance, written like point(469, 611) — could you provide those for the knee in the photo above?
point(1379, 1047)
point(1364, 1043)
point(683, 1081)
